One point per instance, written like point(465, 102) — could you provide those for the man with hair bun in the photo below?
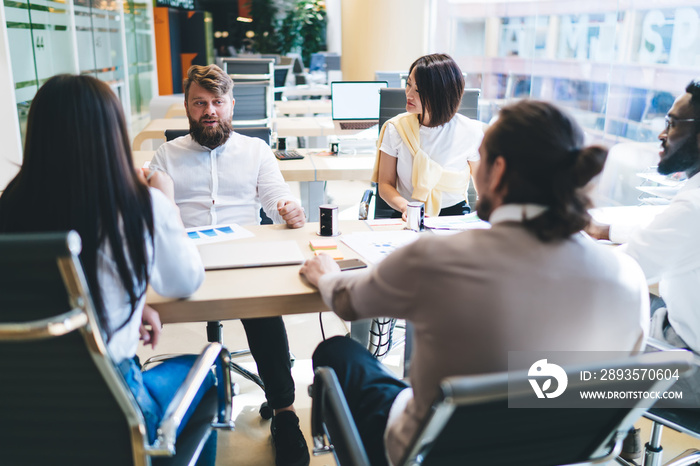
point(533, 282)
point(223, 177)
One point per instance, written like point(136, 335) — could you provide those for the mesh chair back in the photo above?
point(248, 68)
point(56, 406)
point(253, 103)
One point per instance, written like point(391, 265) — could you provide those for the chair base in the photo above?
point(690, 456)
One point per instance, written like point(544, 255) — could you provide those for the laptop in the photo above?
point(236, 255)
point(355, 105)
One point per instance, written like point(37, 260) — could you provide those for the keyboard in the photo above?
point(288, 155)
point(357, 124)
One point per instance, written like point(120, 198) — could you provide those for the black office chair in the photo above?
point(470, 421)
point(675, 415)
point(62, 399)
point(254, 83)
point(214, 333)
point(281, 73)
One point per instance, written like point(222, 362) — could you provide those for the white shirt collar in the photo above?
point(692, 183)
point(516, 212)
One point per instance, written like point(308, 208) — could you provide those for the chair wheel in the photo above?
point(265, 411)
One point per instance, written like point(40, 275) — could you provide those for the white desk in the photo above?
point(289, 107)
point(314, 90)
point(302, 107)
point(303, 126)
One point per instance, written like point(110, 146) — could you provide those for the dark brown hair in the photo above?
point(693, 88)
point(545, 164)
point(211, 78)
point(78, 174)
point(440, 86)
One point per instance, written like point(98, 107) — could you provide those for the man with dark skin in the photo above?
point(667, 249)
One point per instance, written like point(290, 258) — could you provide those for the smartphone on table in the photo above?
point(350, 264)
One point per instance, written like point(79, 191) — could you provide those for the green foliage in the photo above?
point(312, 15)
point(303, 26)
point(264, 14)
point(288, 31)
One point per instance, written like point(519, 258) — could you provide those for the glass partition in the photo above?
point(616, 66)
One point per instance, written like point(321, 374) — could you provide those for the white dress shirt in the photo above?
point(175, 268)
point(474, 296)
point(668, 250)
point(223, 185)
point(451, 145)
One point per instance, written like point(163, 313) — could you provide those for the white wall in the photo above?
point(382, 35)
point(11, 153)
point(334, 28)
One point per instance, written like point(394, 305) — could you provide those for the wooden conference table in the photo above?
point(256, 291)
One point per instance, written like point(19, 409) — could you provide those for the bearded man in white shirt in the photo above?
point(667, 249)
point(223, 177)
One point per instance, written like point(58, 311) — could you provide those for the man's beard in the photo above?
point(484, 208)
point(210, 136)
point(685, 158)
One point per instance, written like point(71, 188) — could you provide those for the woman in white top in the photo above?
point(429, 153)
point(77, 174)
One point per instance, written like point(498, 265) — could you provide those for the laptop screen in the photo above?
point(356, 100)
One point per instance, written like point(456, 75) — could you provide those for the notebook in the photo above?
point(355, 105)
point(235, 255)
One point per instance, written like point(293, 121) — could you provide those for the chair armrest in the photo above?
point(167, 430)
point(331, 417)
point(45, 328)
point(660, 345)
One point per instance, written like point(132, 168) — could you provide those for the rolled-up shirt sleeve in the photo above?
point(271, 185)
point(389, 289)
point(177, 267)
point(667, 243)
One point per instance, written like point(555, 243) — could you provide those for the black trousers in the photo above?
point(267, 340)
point(369, 388)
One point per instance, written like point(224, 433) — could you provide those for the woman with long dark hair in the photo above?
point(78, 174)
point(429, 153)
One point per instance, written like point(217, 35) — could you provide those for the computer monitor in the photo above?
point(355, 104)
point(318, 62)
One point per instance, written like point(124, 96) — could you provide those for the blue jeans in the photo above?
point(155, 388)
